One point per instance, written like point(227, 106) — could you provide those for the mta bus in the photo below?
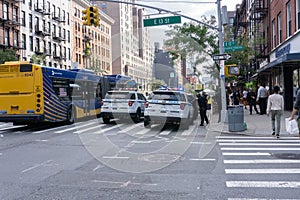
point(31, 93)
point(121, 82)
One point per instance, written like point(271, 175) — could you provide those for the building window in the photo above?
point(16, 39)
point(15, 14)
point(23, 41)
point(279, 28)
point(23, 19)
point(274, 33)
point(288, 19)
point(6, 37)
point(31, 43)
point(30, 21)
point(5, 11)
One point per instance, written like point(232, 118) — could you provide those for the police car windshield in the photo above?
point(168, 96)
point(119, 95)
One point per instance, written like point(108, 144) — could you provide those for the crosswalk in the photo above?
point(256, 164)
point(96, 127)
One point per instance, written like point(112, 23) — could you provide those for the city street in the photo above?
point(73, 162)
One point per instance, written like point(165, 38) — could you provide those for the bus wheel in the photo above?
point(71, 115)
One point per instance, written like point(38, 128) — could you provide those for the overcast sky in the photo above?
point(190, 8)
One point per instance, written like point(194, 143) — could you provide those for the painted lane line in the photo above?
point(187, 132)
point(1, 154)
point(245, 154)
point(40, 140)
point(122, 184)
point(260, 161)
point(263, 184)
point(200, 143)
point(48, 130)
point(142, 132)
point(257, 199)
point(202, 159)
point(259, 149)
point(129, 128)
point(254, 137)
point(263, 171)
point(75, 127)
point(108, 129)
point(98, 167)
point(37, 165)
point(258, 144)
point(271, 141)
point(115, 157)
point(12, 127)
point(165, 132)
point(90, 128)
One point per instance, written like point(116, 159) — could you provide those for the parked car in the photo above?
point(168, 107)
point(123, 104)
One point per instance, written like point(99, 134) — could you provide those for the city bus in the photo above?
point(121, 82)
point(31, 93)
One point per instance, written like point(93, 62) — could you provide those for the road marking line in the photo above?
point(257, 199)
point(40, 140)
point(11, 127)
point(263, 184)
point(37, 165)
point(200, 143)
point(90, 128)
point(165, 132)
point(260, 161)
point(128, 128)
point(50, 129)
point(255, 137)
point(98, 167)
point(108, 129)
point(115, 157)
point(75, 127)
point(245, 154)
point(204, 159)
point(259, 149)
point(258, 144)
point(271, 141)
point(262, 171)
point(123, 183)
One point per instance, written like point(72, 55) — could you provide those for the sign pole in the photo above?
point(222, 75)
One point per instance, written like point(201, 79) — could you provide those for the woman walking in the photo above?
point(275, 109)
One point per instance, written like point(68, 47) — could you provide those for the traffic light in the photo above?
point(94, 16)
point(231, 70)
point(86, 16)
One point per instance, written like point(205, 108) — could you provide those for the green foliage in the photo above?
point(7, 55)
point(38, 59)
point(156, 84)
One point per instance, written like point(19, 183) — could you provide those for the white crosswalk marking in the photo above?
point(248, 156)
point(75, 127)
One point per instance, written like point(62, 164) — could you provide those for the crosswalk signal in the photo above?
point(86, 17)
point(94, 16)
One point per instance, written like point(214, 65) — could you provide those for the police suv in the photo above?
point(168, 107)
point(123, 104)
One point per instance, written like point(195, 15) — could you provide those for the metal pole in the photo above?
point(222, 74)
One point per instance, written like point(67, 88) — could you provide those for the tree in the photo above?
point(197, 41)
point(8, 55)
point(38, 59)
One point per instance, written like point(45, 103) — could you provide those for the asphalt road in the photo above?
point(123, 160)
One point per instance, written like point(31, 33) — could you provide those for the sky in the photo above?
point(191, 8)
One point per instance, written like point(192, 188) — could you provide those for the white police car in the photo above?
point(168, 107)
point(123, 104)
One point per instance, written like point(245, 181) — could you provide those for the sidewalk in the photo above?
point(258, 125)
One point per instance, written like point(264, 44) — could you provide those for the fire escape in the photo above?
point(260, 27)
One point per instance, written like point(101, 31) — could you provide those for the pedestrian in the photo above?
point(296, 110)
point(244, 99)
point(262, 96)
point(251, 98)
point(275, 109)
point(236, 97)
point(202, 102)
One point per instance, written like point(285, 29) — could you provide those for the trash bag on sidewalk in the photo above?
point(291, 126)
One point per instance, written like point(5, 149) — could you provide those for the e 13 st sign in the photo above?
point(162, 21)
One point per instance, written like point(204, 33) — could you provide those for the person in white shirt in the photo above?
point(275, 108)
point(262, 96)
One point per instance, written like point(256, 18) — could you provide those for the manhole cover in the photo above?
point(293, 156)
point(160, 158)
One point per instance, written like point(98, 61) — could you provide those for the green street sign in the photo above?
point(229, 44)
point(162, 21)
point(233, 48)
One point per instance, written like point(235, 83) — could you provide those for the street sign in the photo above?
point(162, 21)
point(229, 44)
point(222, 56)
point(233, 48)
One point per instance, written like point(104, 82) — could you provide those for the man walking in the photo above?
point(202, 102)
point(251, 98)
point(275, 109)
point(262, 95)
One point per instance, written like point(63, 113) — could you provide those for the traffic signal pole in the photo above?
point(222, 70)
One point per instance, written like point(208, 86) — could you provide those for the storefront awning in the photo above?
point(287, 59)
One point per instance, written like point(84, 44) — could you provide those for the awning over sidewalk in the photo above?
point(291, 60)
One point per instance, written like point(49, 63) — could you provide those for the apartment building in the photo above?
point(91, 45)
point(131, 48)
point(10, 23)
point(276, 24)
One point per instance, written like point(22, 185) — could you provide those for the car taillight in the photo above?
point(182, 106)
point(146, 104)
point(130, 103)
point(102, 103)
